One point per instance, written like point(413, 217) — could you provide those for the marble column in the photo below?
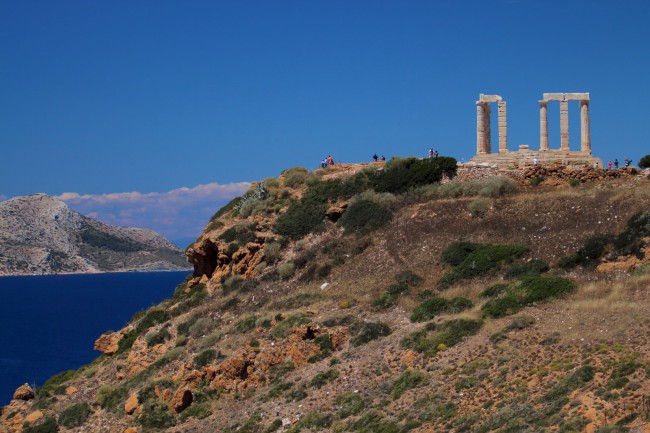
point(503, 127)
point(585, 136)
point(488, 128)
point(564, 125)
point(543, 126)
point(480, 128)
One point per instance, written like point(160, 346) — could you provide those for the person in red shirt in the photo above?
point(330, 160)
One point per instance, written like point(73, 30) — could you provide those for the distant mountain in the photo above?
point(40, 235)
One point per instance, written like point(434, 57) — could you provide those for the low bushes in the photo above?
point(363, 216)
point(369, 331)
point(534, 267)
point(75, 415)
point(402, 174)
point(204, 358)
point(242, 233)
point(295, 176)
point(435, 306)
point(481, 260)
point(525, 291)
point(408, 380)
point(445, 335)
point(302, 218)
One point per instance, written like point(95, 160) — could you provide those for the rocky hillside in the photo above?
point(41, 235)
point(405, 298)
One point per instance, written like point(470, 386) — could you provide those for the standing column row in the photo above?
point(503, 127)
point(543, 126)
point(564, 125)
point(483, 130)
point(585, 136)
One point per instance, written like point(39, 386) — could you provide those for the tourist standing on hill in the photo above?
point(535, 161)
point(616, 163)
point(375, 157)
point(609, 165)
point(383, 158)
point(330, 160)
point(430, 154)
point(628, 161)
point(323, 163)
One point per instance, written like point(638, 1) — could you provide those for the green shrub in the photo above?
point(75, 415)
point(153, 317)
point(323, 378)
point(527, 290)
point(536, 180)
point(537, 289)
point(156, 415)
point(521, 322)
point(402, 174)
point(534, 266)
point(502, 307)
point(372, 422)
point(429, 309)
point(409, 278)
point(456, 252)
point(286, 270)
point(408, 380)
point(294, 176)
point(245, 325)
point(272, 251)
point(283, 329)
point(200, 327)
point(111, 399)
point(479, 207)
point(349, 403)
point(364, 216)
point(480, 261)
point(644, 162)
point(196, 410)
point(157, 337)
point(445, 335)
point(314, 420)
point(302, 218)
point(369, 331)
point(242, 233)
point(227, 208)
point(493, 290)
point(574, 182)
point(204, 358)
point(575, 380)
point(497, 186)
point(330, 190)
point(48, 425)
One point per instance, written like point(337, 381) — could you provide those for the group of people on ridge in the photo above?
point(376, 158)
point(327, 162)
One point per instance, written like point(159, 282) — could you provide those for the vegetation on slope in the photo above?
point(329, 345)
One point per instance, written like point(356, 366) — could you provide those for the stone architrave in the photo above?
point(564, 125)
point(503, 127)
point(543, 125)
point(585, 135)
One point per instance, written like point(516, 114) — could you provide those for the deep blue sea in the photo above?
point(48, 324)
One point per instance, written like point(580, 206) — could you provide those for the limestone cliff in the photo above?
point(42, 235)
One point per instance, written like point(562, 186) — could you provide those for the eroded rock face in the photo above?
point(131, 404)
point(24, 392)
point(108, 343)
point(182, 399)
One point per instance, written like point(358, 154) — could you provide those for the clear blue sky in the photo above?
point(150, 96)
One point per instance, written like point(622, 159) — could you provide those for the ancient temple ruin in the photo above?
point(524, 155)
